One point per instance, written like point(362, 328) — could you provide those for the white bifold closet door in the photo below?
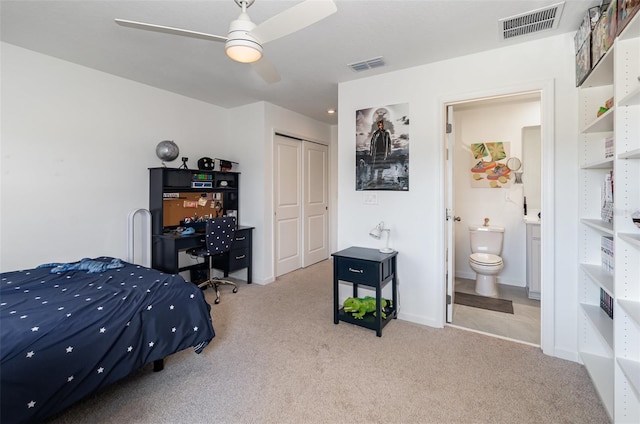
point(301, 203)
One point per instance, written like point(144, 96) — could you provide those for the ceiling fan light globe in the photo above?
point(243, 52)
point(242, 46)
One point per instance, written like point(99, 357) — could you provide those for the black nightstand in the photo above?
point(367, 267)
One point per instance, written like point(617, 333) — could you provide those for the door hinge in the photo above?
point(449, 128)
point(448, 299)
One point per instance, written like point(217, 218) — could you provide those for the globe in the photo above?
point(167, 150)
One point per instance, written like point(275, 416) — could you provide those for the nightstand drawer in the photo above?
point(358, 271)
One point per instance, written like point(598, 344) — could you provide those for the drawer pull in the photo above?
point(241, 257)
point(240, 238)
point(359, 271)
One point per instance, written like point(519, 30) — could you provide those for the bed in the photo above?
point(68, 330)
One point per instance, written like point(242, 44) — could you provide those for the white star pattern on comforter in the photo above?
point(67, 334)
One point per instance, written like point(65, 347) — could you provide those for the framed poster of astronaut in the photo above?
point(382, 148)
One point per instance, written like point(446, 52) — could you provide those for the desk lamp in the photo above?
point(376, 233)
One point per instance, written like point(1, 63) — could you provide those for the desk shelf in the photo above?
point(169, 188)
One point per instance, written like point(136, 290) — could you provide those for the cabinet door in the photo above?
point(533, 261)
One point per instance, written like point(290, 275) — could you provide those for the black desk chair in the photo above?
point(219, 238)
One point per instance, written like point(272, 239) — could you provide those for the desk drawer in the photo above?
point(241, 239)
point(358, 271)
point(238, 259)
point(235, 260)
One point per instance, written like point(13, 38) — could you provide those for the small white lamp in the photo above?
point(376, 233)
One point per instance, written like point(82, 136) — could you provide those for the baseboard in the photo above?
point(565, 354)
point(419, 319)
point(465, 275)
point(262, 281)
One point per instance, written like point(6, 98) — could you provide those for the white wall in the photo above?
point(417, 217)
point(480, 122)
point(76, 146)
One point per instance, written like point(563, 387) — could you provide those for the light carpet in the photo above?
point(278, 358)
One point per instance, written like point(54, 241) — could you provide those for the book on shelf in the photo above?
point(606, 212)
point(608, 147)
point(606, 253)
point(606, 303)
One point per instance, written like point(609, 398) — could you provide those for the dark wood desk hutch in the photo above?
point(178, 198)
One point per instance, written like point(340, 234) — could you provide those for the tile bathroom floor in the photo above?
point(523, 324)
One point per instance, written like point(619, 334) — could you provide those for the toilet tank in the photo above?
point(486, 239)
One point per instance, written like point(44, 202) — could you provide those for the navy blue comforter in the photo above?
point(66, 334)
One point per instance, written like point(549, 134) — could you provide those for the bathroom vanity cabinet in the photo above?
point(610, 346)
point(533, 260)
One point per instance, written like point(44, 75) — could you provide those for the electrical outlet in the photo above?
point(370, 199)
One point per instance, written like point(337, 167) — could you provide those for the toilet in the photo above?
point(485, 260)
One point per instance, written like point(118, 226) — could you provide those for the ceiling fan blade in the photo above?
point(170, 30)
point(266, 70)
point(293, 19)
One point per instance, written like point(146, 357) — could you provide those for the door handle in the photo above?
point(448, 217)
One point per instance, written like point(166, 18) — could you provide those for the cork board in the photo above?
point(178, 206)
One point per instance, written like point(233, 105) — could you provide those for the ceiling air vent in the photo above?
point(376, 62)
point(530, 22)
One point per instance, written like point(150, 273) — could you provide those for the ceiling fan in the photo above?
point(244, 40)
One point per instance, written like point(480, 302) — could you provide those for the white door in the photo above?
point(316, 210)
point(288, 204)
point(450, 214)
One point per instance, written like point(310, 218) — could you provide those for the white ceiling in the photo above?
point(311, 62)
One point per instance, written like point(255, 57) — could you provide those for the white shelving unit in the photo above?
point(610, 348)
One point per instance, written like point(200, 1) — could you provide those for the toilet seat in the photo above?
point(486, 259)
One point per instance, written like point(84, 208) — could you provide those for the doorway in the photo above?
point(301, 194)
point(479, 128)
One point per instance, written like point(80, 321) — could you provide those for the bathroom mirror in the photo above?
point(531, 166)
point(514, 164)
